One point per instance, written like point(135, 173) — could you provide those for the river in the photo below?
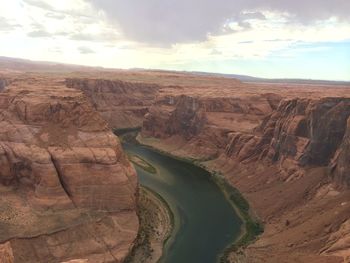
point(204, 220)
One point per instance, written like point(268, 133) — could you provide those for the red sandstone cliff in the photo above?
point(122, 104)
point(300, 133)
point(67, 190)
point(294, 133)
point(288, 154)
point(289, 157)
point(206, 124)
point(341, 162)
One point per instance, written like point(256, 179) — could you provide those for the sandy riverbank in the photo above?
point(156, 224)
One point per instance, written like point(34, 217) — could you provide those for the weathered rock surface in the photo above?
point(122, 104)
point(3, 84)
point(175, 116)
point(301, 133)
point(341, 162)
point(67, 190)
point(206, 124)
point(289, 156)
point(6, 255)
point(296, 134)
point(287, 153)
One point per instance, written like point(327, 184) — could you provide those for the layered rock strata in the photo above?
point(67, 190)
point(289, 157)
point(288, 153)
point(122, 104)
point(295, 133)
point(206, 124)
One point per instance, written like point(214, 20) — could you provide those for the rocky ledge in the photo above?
point(67, 191)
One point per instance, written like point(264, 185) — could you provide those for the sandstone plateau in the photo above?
point(68, 193)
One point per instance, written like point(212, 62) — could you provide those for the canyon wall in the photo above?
point(293, 134)
point(207, 125)
point(68, 192)
point(285, 147)
point(288, 156)
point(300, 133)
point(3, 83)
point(122, 104)
point(341, 162)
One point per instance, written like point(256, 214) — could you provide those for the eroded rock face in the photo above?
point(294, 133)
point(208, 125)
point(341, 164)
point(67, 190)
point(3, 84)
point(326, 123)
point(121, 104)
point(304, 132)
point(180, 116)
point(289, 157)
point(288, 154)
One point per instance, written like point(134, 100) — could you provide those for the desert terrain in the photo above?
point(68, 192)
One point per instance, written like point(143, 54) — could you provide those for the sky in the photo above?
point(272, 38)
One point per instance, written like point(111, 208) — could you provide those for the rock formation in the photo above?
point(208, 125)
point(175, 116)
point(67, 190)
point(3, 84)
point(297, 133)
point(341, 164)
point(288, 154)
point(122, 104)
point(68, 193)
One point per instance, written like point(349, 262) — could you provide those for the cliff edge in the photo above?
point(67, 190)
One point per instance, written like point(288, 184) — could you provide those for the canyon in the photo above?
point(68, 191)
point(284, 146)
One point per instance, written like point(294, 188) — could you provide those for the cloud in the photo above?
point(94, 37)
point(177, 21)
point(62, 11)
point(246, 42)
point(85, 50)
point(38, 30)
point(235, 27)
point(278, 40)
point(253, 15)
point(57, 50)
point(55, 15)
point(6, 25)
point(39, 4)
point(39, 33)
point(215, 52)
point(73, 20)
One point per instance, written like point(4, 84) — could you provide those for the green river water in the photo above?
point(205, 222)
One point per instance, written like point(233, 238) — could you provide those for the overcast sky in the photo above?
point(273, 38)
